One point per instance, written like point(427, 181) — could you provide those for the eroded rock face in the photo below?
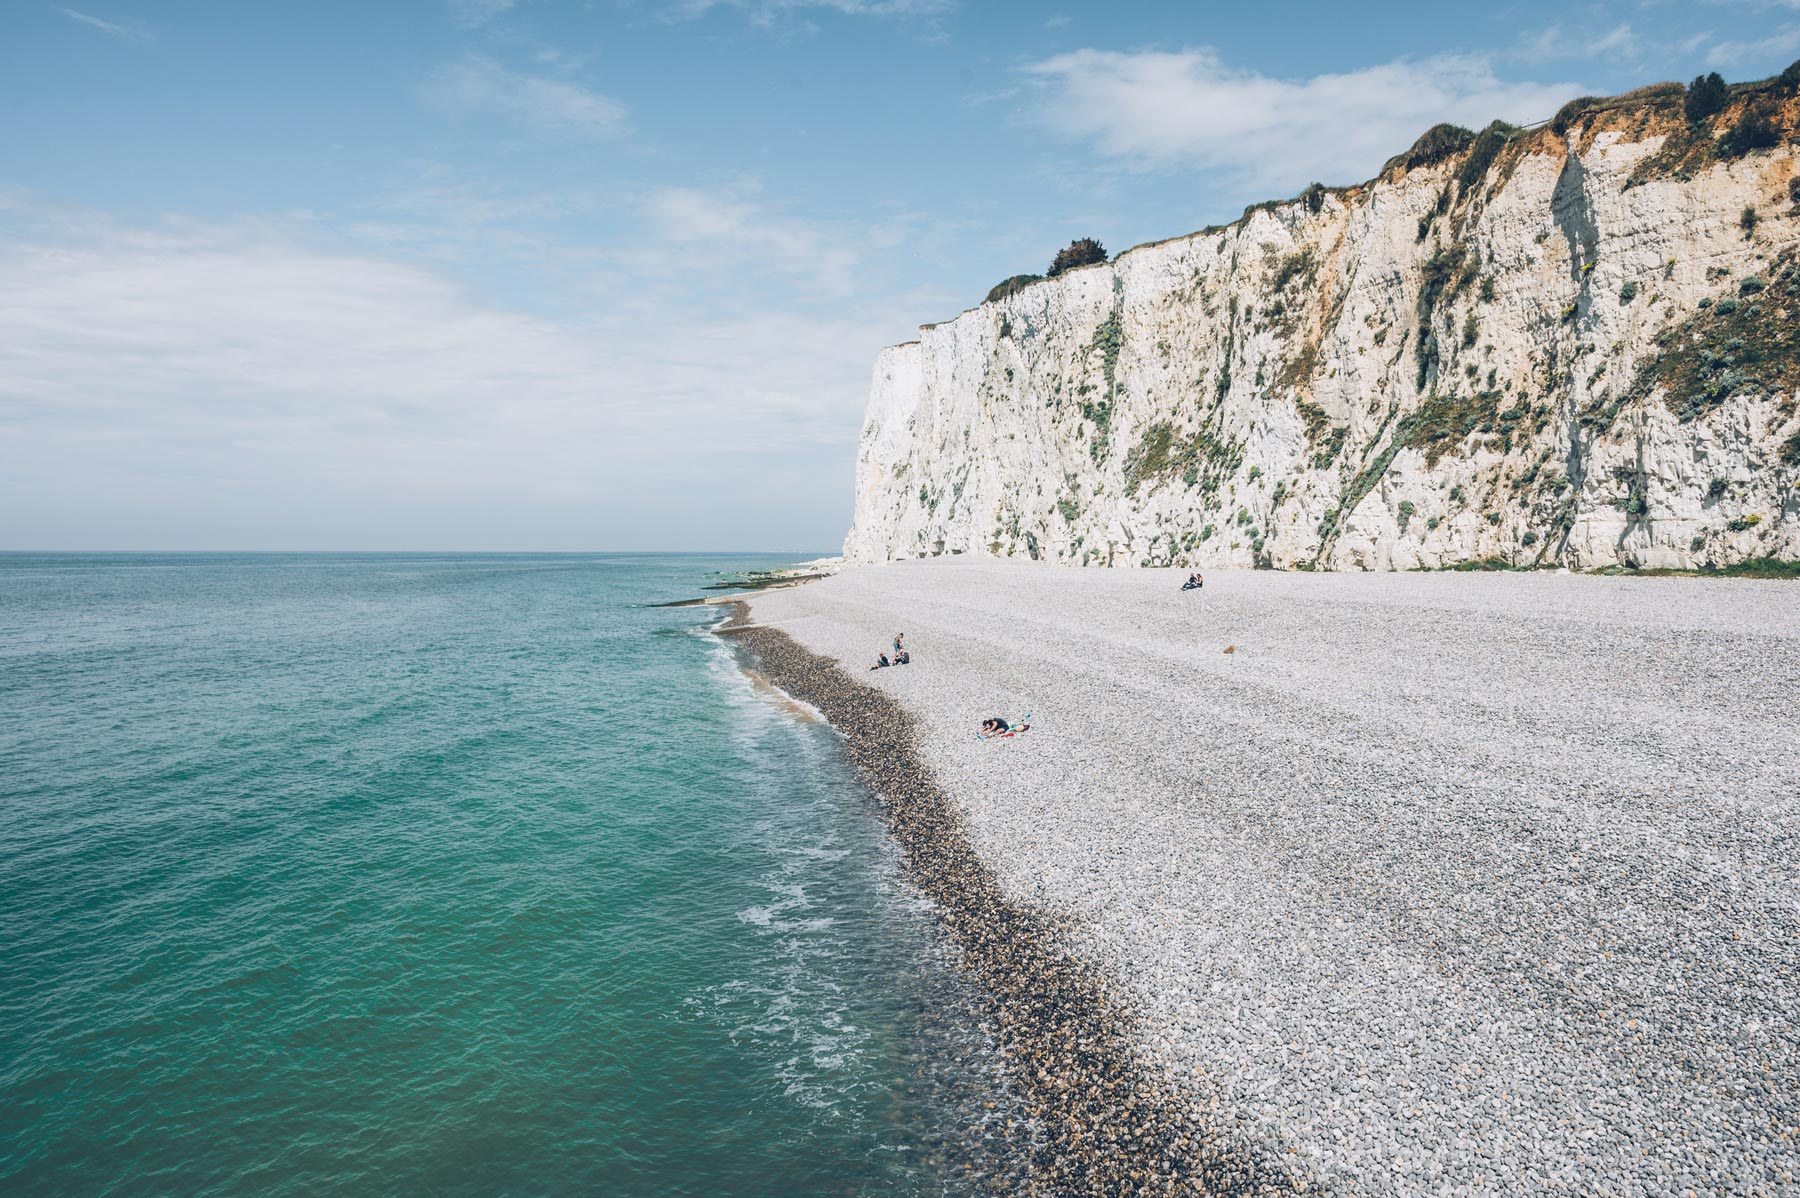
point(1572, 349)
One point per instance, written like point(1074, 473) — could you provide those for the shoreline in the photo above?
point(1107, 1123)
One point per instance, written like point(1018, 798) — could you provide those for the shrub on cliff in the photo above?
point(1790, 78)
point(1753, 131)
point(1082, 252)
point(1565, 116)
point(1481, 156)
point(1436, 144)
point(1010, 286)
point(1706, 96)
point(1651, 91)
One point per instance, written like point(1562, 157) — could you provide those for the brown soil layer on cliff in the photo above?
point(1098, 1121)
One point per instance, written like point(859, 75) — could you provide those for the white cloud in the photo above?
point(1621, 40)
point(222, 326)
point(729, 234)
point(479, 86)
point(1736, 53)
point(192, 375)
point(1189, 109)
point(221, 323)
point(767, 12)
point(471, 14)
point(978, 99)
point(129, 31)
point(1620, 43)
point(435, 210)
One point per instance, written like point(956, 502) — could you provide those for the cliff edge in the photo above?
point(1573, 345)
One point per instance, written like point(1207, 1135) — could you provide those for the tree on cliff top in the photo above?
point(1083, 252)
point(1706, 95)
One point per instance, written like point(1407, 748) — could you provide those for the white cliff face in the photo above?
point(1573, 356)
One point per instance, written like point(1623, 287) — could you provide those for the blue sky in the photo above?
point(611, 275)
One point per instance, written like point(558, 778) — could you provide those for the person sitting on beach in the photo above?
point(899, 643)
point(902, 657)
point(993, 726)
point(881, 662)
point(1194, 583)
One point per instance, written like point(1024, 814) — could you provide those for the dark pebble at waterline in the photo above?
point(1098, 1121)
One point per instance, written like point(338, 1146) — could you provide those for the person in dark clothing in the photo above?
point(881, 662)
point(996, 726)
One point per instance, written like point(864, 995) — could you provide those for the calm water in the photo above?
point(445, 875)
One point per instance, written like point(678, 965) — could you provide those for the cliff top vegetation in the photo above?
point(1703, 122)
point(1084, 251)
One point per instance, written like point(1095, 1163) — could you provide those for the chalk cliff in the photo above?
point(1577, 344)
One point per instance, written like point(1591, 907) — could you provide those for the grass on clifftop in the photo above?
point(1011, 286)
point(1749, 117)
point(1753, 116)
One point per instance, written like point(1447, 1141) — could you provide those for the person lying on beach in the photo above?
point(881, 662)
point(995, 726)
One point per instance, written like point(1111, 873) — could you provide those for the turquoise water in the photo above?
point(445, 875)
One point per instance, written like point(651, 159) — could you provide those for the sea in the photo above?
point(448, 874)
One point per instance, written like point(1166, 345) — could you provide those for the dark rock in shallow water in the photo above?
point(1099, 1122)
point(759, 581)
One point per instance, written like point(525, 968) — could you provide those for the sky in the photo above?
point(612, 274)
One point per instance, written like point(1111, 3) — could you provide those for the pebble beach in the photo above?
point(1432, 884)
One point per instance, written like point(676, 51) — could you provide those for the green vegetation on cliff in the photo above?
point(1744, 342)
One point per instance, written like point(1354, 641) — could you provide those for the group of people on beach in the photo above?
point(995, 726)
point(900, 658)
